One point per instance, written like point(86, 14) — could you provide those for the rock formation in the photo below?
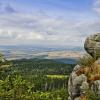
point(86, 78)
point(92, 45)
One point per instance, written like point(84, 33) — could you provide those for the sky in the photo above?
point(48, 22)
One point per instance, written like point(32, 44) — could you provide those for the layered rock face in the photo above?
point(86, 78)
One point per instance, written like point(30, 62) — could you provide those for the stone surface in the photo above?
point(96, 87)
point(92, 45)
point(97, 62)
point(78, 85)
point(77, 98)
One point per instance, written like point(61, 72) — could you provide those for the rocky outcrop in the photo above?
point(80, 84)
point(92, 45)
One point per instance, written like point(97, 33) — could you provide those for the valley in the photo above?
point(66, 55)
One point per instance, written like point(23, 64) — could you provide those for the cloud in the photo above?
point(5, 34)
point(40, 27)
point(30, 36)
point(96, 6)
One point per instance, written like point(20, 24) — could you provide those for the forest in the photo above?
point(34, 79)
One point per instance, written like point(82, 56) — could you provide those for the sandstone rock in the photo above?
point(84, 87)
point(97, 62)
point(92, 45)
point(71, 88)
point(77, 98)
point(78, 84)
point(77, 67)
point(96, 87)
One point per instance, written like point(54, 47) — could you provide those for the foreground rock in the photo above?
point(85, 78)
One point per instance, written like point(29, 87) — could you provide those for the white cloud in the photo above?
point(30, 36)
point(5, 34)
point(33, 27)
point(19, 27)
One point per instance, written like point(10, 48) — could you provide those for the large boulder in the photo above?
point(79, 84)
point(92, 45)
point(96, 87)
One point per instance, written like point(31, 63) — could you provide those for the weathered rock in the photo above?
point(84, 87)
point(77, 67)
point(92, 45)
point(78, 85)
point(77, 98)
point(97, 62)
point(96, 87)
